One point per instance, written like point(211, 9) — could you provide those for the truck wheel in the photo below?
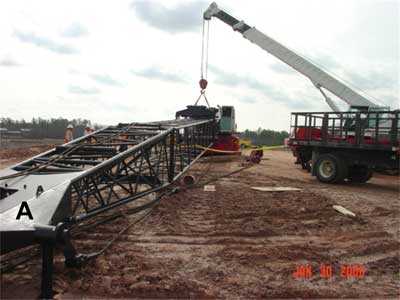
point(330, 168)
point(359, 174)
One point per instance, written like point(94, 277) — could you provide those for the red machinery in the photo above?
point(226, 144)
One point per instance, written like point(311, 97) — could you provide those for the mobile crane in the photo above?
point(339, 145)
point(320, 79)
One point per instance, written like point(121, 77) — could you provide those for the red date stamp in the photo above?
point(349, 271)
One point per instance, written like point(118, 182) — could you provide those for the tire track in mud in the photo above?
point(243, 243)
point(238, 243)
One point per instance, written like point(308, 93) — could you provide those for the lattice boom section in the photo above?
point(139, 170)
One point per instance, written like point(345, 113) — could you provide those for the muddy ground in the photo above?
point(18, 143)
point(11, 156)
point(237, 242)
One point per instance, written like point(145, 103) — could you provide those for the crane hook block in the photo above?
point(203, 83)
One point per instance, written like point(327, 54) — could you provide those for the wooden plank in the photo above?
point(344, 210)
point(275, 188)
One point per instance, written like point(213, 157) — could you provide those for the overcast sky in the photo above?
point(125, 61)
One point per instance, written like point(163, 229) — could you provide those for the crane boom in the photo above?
point(318, 77)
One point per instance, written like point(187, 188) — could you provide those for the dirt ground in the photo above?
point(237, 242)
point(11, 156)
point(22, 142)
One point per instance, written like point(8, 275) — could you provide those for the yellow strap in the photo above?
point(215, 150)
point(227, 151)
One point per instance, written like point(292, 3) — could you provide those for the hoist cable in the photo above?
point(207, 39)
point(202, 52)
point(204, 49)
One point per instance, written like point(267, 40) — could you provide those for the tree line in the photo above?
point(45, 128)
point(264, 137)
point(55, 128)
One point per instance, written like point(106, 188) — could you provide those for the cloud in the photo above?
point(231, 79)
point(74, 30)
point(156, 73)
point(271, 92)
point(74, 72)
point(75, 89)
point(373, 80)
point(322, 61)
point(43, 42)
point(247, 100)
point(368, 81)
point(282, 68)
point(9, 62)
point(392, 101)
point(372, 84)
point(185, 17)
point(105, 79)
point(376, 31)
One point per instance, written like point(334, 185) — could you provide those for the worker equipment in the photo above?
point(68, 134)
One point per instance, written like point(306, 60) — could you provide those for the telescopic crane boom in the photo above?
point(318, 77)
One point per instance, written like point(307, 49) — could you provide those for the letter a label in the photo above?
point(24, 211)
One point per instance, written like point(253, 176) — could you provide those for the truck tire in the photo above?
point(359, 174)
point(330, 168)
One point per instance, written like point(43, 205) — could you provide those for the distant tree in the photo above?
point(44, 128)
point(265, 137)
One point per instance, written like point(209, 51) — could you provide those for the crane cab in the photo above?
point(227, 123)
point(226, 141)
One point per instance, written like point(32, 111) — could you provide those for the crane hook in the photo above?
point(203, 83)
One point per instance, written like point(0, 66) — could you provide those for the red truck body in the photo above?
point(353, 142)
